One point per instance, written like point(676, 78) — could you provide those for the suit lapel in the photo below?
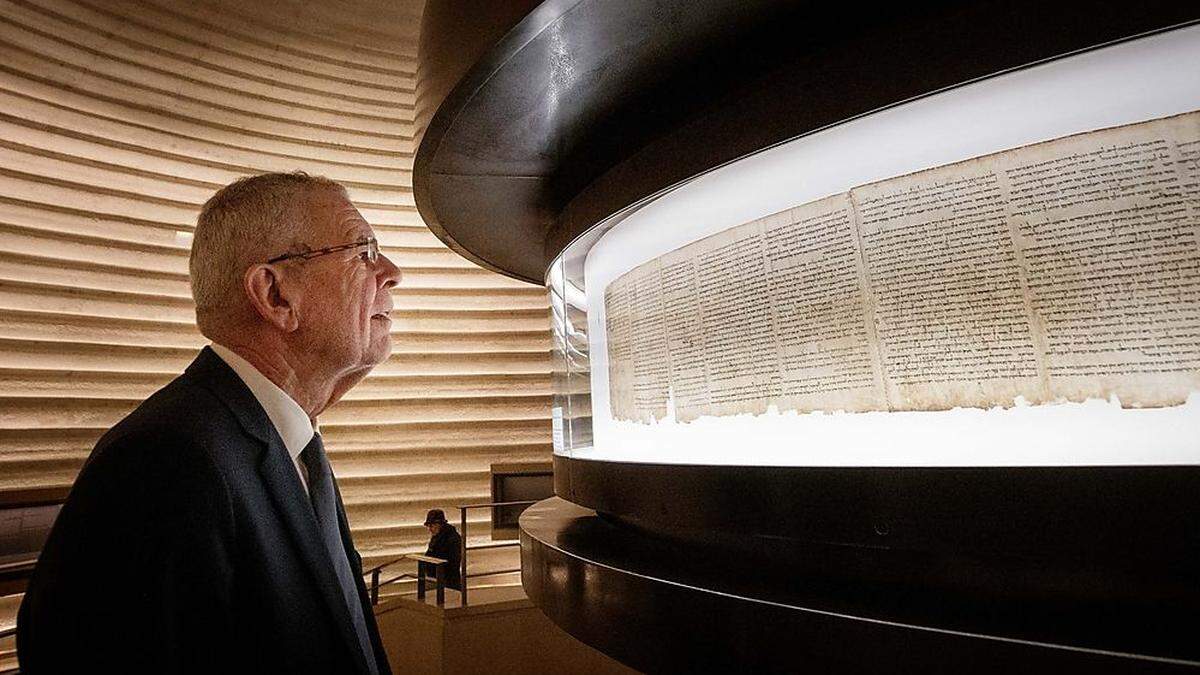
point(279, 475)
point(282, 484)
point(360, 582)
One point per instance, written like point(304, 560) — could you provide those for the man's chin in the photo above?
point(378, 352)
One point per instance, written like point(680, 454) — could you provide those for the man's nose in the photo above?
point(387, 272)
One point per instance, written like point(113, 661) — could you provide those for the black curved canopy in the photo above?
point(536, 121)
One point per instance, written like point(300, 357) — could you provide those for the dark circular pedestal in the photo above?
point(662, 606)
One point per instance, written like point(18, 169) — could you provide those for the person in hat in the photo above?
point(445, 543)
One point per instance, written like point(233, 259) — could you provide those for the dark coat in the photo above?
point(188, 545)
point(446, 545)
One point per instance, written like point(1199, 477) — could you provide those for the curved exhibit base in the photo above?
point(661, 604)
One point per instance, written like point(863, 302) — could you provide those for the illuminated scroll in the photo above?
point(1068, 269)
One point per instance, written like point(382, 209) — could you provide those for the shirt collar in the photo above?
point(290, 420)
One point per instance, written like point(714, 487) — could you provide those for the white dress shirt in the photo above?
point(290, 420)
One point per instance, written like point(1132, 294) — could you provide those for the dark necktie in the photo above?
point(320, 490)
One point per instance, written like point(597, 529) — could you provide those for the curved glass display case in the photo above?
point(876, 335)
point(1003, 274)
point(936, 367)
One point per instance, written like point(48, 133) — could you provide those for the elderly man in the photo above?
point(205, 532)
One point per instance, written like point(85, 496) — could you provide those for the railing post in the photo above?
point(462, 556)
point(420, 581)
point(441, 584)
point(375, 586)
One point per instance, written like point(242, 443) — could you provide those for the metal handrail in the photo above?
point(376, 571)
point(18, 565)
point(383, 565)
point(495, 572)
point(439, 573)
point(396, 578)
point(462, 509)
point(526, 502)
point(412, 577)
point(376, 584)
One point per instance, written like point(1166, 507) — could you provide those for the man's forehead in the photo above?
point(340, 214)
point(352, 221)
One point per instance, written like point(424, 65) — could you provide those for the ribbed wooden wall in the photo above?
point(117, 121)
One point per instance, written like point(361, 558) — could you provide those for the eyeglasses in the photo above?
point(372, 251)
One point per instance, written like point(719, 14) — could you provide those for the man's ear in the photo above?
point(269, 299)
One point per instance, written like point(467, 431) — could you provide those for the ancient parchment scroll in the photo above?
point(1064, 270)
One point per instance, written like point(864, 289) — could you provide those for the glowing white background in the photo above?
point(1125, 83)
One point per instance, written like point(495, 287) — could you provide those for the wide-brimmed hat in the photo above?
point(435, 516)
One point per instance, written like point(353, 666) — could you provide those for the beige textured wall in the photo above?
point(118, 119)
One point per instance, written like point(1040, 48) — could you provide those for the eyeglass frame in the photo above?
point(370, 242)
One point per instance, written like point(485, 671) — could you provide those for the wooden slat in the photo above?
point(105, 167)
point(26, 62)
point(112, 35)
point(161, 31)
point(191, 146)
point(110, 112)
point(248, 31)
point(118, 120)
point(116, 60)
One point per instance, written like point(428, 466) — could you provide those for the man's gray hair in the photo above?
point(244, 223)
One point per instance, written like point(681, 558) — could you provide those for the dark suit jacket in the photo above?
point(188, 544)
